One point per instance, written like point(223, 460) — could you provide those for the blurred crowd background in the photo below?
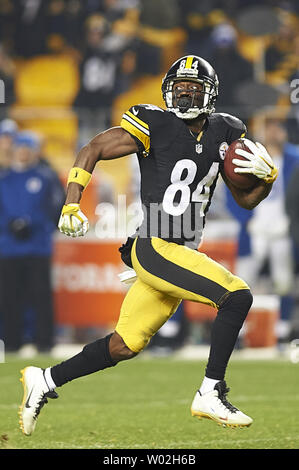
point(70, 69)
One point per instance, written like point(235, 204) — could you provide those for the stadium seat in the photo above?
point(47, 81)
point(147, 86)
point(45, 89)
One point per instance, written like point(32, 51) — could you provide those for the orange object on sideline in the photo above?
point(261, 321)
point(87, 290)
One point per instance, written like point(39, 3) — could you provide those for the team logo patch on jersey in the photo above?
point(198, 148)
point(222, 149)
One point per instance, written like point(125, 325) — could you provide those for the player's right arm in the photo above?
point(108, 145)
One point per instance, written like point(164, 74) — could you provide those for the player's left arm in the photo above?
point(258, 163)
point(249, 198)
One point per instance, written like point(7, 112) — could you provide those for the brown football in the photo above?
point(239, 180)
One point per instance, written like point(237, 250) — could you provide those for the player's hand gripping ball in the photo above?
point(72, 221)
point(246, 163)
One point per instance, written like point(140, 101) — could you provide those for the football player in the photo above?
point(180, 151)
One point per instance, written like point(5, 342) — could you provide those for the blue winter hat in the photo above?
point(8, 127)
point(27, 139)
point(224, 35)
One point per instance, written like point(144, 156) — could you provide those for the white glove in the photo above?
point(258, 163)
point(72, 221)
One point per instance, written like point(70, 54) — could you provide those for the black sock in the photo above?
point(225, 331)
point(93, 357)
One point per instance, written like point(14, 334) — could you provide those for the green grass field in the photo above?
point(145, 404)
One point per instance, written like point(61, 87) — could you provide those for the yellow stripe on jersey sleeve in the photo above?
point(136, 127)
point(142, 123)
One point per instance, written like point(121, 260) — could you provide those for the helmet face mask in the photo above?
point(191, 69)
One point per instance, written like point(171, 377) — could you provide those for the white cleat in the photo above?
point(214, 405)
point(36, 392)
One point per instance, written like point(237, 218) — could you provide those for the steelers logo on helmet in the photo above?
point(194, 69)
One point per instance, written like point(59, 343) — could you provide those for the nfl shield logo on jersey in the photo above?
point(198, 148)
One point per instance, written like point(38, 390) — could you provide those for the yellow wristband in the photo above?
point(80, 176)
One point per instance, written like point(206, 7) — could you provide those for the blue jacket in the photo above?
point(34, 196)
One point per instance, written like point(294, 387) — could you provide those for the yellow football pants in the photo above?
point(166, 274)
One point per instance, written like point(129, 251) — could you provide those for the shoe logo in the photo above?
point(27, 401)
point(135, 111)
point(220, 417)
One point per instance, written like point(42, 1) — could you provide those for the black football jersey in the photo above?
point(179, 169)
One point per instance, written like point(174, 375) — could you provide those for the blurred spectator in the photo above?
point(232, 69)
point(30, 27)
point(198, 20)
point(292, 208)
point(292, 204)
point(74, 21)
point(7, 75)
point(30, 206)
point(114, 10)
point(264, 232)
point(161, 14)
point(56, 26)
point(8, 131)
point(123, 18)
point(58, 191)
point(101, 73)
point(7, 20)
point(161, 36)
point(281, 55)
